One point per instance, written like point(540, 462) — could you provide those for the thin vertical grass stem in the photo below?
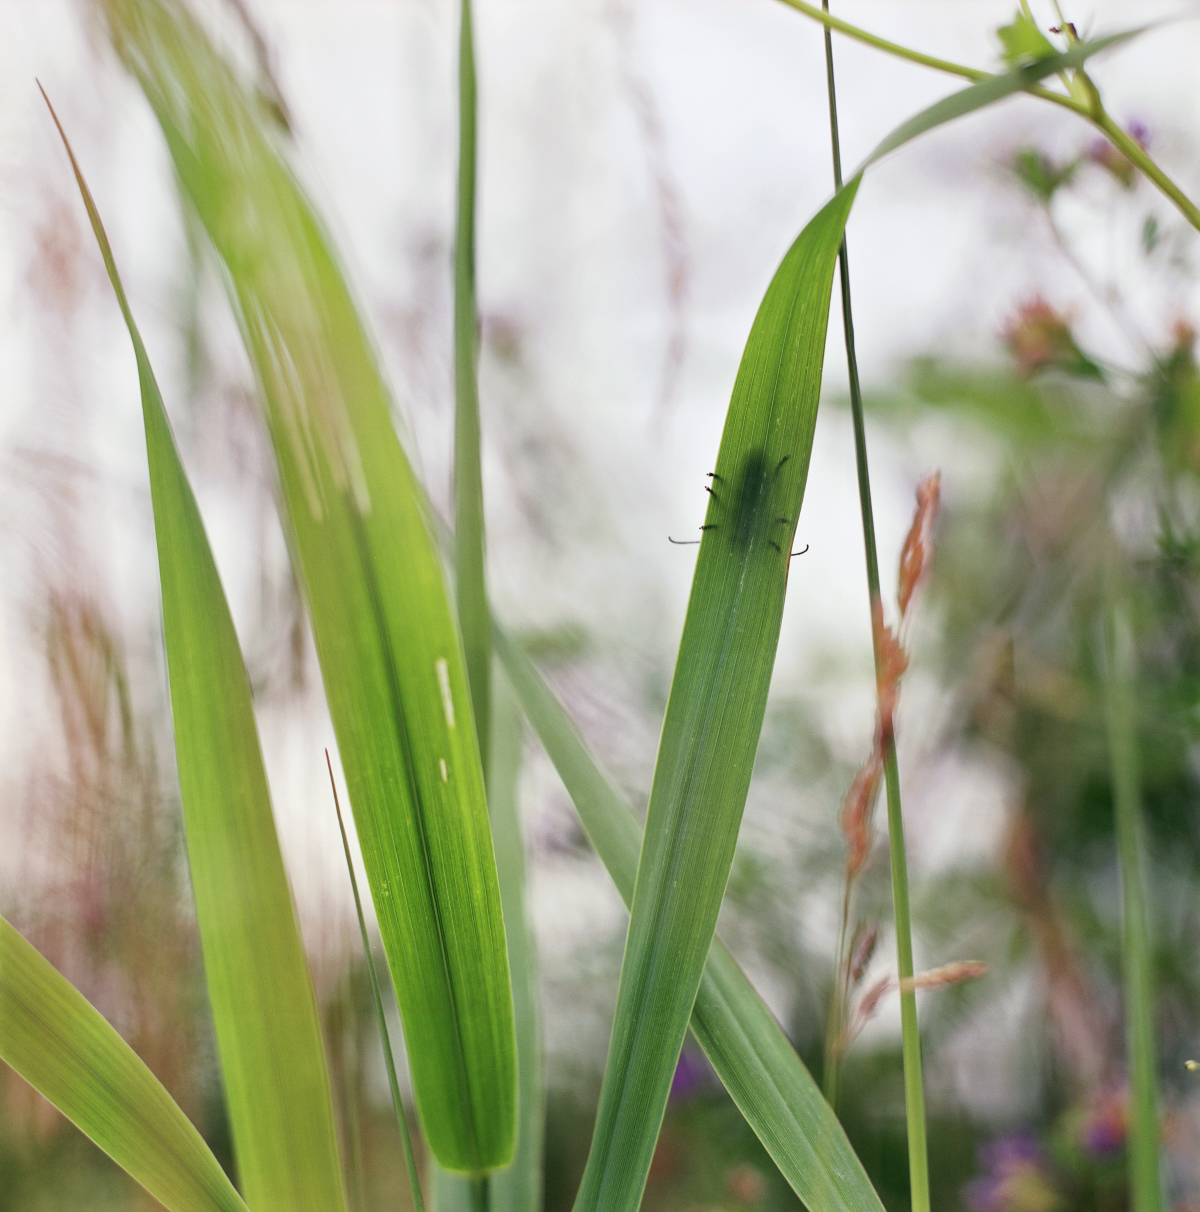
point(914, 1093)
point(410, 1160)
point(480, 1194)
point(1121, 713)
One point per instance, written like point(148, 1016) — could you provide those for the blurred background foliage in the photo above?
point(1055, 446)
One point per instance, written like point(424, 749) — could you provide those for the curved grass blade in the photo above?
point(62, 1046)
point(410, 1161)
point(470, 584)
point(993, 89)
point(716, 705)
point(386, 638)
point(264, 1010)
point(519, 1188)
point(748, 1049)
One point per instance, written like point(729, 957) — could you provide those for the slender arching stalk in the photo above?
point(1092, 110)
point(914, 1093)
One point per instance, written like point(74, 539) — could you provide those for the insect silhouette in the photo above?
point(745, 511)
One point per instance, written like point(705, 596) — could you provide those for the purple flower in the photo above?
point(691, 1076)
point(1104, 154)
point(1103, 1131)
point(1017, 1177)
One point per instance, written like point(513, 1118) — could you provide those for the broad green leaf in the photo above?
point(386, 637)
point(470, 584)
point(1023, 42)
point(993, 89)
point(519, 1188)
point(747, 1047)
point(716, 705)
point(264, 1011)
point(63, 1047)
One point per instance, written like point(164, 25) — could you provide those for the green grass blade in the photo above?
point(470, 582)
point(264, 1011)
point(519, 1188)
point(63, 1047)
point(1121, 714)
point(989, 91)
point(748, 1049)
point(715, 710)
point(386, 636)
point(410, 1161)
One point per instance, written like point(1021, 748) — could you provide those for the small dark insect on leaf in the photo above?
point(744, 513)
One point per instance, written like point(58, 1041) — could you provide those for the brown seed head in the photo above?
point(947, 974)
point(892, 662)
point(857, 810)
point(871, 999)
point(861, 949)
point(917, 553)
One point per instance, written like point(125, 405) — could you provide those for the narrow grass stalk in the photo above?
point(835, 1024)
point(410, 1161)
point(1121, 713)
point(1137, 155)
point(914, 1094)
point(480, 1201)
point(831, 22)
point(471, 586)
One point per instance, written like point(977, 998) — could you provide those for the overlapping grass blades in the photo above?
point(497, 722)
point(716, 705)
point(62, 1046)
point(389, 1061)
point(718, 693)
point(387, 641)
point(749, 1051)
point(264, 1011)
point(518, 1188)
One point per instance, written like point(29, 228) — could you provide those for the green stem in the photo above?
point(410, 1160)
point(480, 1194)
point(1121, 712)
point(836, 1026)
point(1094, 112)
point(471, 585)
point(914, 1094)
point(1136, 154)
point(914, 1089)
point(891, 48)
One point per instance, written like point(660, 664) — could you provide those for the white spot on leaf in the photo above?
point(445, 774)
point(443, 674)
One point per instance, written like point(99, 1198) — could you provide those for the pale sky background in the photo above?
point(621, 144)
